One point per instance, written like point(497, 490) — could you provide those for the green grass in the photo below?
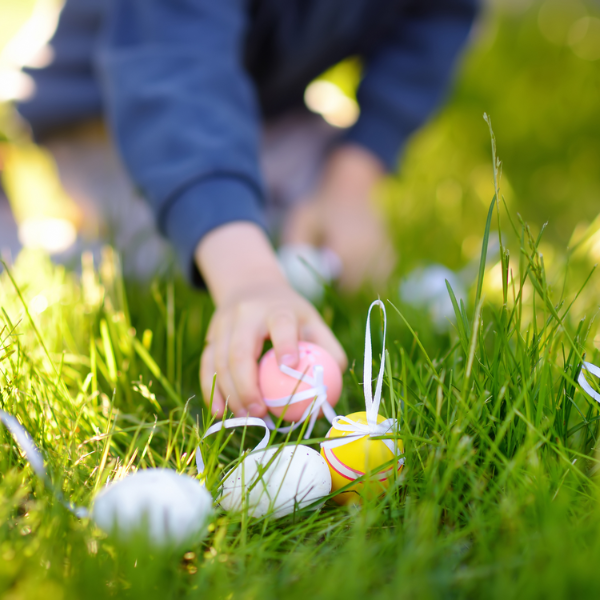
point(499, 497)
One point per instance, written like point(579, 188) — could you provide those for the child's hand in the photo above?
point(253, 302)
point(341, 217)
point(235, 340)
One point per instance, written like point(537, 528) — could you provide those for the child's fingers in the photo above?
point(317, 332)
point(283, 331)
point(222, 341)
point(207, 373)
point(245, 346)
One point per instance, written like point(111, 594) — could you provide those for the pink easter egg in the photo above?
point(274, 384)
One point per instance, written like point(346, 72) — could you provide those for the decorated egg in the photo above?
point(349, 461)
point(292, 391)
point(168, 508)
point(276, 481)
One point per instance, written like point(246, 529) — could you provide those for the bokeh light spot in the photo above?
point(556, 18)
point(38, 304)
point(584, 38)
point(52, 235)
point(329, 100)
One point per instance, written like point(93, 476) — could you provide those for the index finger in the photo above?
point(283, 331)
point(246, 343)
point(317, 332)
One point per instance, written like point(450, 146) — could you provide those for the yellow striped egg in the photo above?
point(354, 459)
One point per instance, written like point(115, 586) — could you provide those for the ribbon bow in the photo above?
point(318, 391)
point(372, 428)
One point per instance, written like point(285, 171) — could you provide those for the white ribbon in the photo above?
point(318, 391)
point(581, 380)
point(372, 428)
point(35, 459)
point(231, 424)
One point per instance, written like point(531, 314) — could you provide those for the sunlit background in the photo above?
point(533, 66)
point(498, 494)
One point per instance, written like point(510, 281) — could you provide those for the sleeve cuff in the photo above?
point(379, 136)
point(204, 206)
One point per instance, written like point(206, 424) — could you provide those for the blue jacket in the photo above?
point(186, 83)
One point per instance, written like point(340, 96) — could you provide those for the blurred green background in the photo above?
point(534, 68)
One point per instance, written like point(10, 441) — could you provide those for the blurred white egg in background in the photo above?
point(309, 269)
point(425, 288)
point(170, 509)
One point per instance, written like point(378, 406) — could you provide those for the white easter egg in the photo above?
point(167, 507)
point(426, 288)
point(297, 477)
point(307, 268)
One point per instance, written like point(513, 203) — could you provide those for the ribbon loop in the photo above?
point(372, 428)
point(232, 424)
point(372, 402)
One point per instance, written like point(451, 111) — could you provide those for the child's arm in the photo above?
point(253, 302)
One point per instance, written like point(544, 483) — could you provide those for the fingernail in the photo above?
point(255, 410)
point(242, 412)
point(288, 359)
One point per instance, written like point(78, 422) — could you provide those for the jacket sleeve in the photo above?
point(184, 113)
point(407, 76)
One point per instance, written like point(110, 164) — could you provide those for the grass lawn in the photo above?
point(499, 496)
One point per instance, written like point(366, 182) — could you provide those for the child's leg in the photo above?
point(293, 152)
